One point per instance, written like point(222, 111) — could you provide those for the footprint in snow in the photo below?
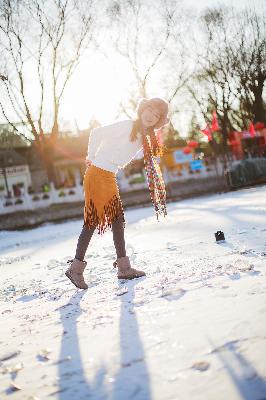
point(201, 366)
point(173, 294)
point(171, 246)
point(234, 276)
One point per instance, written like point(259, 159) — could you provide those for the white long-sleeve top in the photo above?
point(110, 147)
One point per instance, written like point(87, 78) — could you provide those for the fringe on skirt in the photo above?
point(102, 199)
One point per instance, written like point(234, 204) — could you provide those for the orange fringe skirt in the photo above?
point(102, 199)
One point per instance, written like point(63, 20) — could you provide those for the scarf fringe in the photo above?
point(111, 212)
point(156, 184)
point(152, 149)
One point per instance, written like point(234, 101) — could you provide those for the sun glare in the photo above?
point(96, 90)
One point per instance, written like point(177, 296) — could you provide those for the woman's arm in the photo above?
point(94, 142)
point(93, 145)
point(91, 150)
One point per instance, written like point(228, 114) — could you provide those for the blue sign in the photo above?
point(181, 158)
point(195, 165)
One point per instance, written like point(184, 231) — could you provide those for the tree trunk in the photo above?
point(46, 152)
point(258, 111)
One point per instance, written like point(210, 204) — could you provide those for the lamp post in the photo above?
point(3, 168)
point(4, 78)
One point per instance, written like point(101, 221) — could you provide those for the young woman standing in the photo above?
point(112, 147)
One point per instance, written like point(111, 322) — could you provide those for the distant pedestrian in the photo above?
point(16, 190)
point(112, 147)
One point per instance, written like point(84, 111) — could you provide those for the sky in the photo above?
point(212, 3)
point(100, 83)
point(109, 80)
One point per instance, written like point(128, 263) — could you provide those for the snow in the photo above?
point(193, 328)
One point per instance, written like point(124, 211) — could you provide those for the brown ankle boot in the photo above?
point(125, 271)
point(75, 273)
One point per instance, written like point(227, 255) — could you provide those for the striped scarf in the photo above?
point(156, 184)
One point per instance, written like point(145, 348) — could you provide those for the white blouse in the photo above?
point(110, 148)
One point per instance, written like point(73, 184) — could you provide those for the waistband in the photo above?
point(101, 171)
point(105, 165)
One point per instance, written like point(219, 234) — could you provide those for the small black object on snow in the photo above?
point(219, 236)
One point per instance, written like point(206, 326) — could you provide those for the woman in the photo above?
point(112, 147)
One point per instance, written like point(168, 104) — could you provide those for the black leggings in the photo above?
point(118, 238)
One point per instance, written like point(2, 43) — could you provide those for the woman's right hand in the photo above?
point(87, 162)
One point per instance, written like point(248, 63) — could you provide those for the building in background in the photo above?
point(247, 144)
point(21, 167)
point(15, 175)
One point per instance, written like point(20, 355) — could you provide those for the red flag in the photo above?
point(192, 143)
point(187, 150)
point(259, 125)
point(215, 126)
point(207, 132)
point(251, 129)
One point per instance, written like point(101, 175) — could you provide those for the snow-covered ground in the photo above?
point(193, 328)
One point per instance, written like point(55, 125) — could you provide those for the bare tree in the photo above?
point(248, 59)
point(232, 70)
point(147, 35)
point(231, 73)
point(41, 44)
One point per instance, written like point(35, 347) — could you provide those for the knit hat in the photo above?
point(160, 104)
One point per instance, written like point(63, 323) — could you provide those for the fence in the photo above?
point(75, 194)
point(41, 200)
point(246, 172)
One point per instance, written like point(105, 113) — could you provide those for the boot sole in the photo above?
point(74, 283)
point(132, 277)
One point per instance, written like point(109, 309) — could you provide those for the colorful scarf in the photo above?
point(156, 184)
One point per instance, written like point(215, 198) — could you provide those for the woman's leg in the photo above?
point(83, 242)
point(125, 270)
point(118, 236)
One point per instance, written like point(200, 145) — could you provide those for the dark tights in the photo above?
point(118, 238)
